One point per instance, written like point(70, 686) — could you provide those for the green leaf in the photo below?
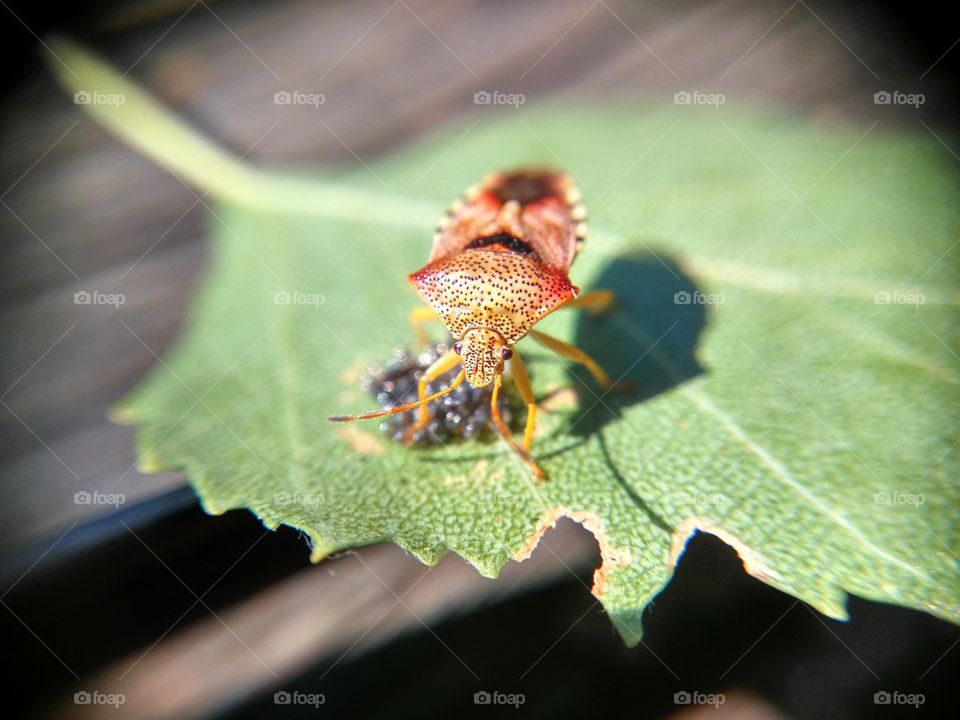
point(794, 413)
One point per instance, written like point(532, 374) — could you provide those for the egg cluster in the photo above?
point(464, 413)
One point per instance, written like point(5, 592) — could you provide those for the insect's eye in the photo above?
point(457, 347)
point(507, 353)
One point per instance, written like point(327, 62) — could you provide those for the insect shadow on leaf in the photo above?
point(648, 341)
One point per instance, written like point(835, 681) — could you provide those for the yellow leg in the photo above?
point(401, 408)
point(443, 364)
point(419, 316)
point(572, 352)
point(597, 301)
point(518, 371)
point(505, 431)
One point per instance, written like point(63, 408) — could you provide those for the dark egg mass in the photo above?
point(463, 414)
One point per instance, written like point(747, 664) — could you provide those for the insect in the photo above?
point(498, 266)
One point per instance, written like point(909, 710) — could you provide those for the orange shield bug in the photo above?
point(498, 266)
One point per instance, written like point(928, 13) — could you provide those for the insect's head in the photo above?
point(482, 352)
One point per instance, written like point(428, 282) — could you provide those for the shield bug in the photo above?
point(498, 266)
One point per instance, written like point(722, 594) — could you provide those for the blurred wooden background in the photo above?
point(83, 212)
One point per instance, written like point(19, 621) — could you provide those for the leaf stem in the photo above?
point(137, 118)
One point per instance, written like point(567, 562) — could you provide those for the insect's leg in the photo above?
point(572, 352)
point(597, 301)
point(518, 371)
point(440, 366)
point(457, 381)
point(419, 316)
point(505, 431)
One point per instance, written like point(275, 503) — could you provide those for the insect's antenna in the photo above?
point(402, 408)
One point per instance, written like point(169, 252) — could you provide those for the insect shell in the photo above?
point(499, 264)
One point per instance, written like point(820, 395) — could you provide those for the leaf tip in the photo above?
point(320, 552)
point(150, 463)
point(121, 415)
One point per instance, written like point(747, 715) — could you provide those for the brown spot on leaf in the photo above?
point(479, 472)
point(563, 399)
point(353, 374)
point(360, 441)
